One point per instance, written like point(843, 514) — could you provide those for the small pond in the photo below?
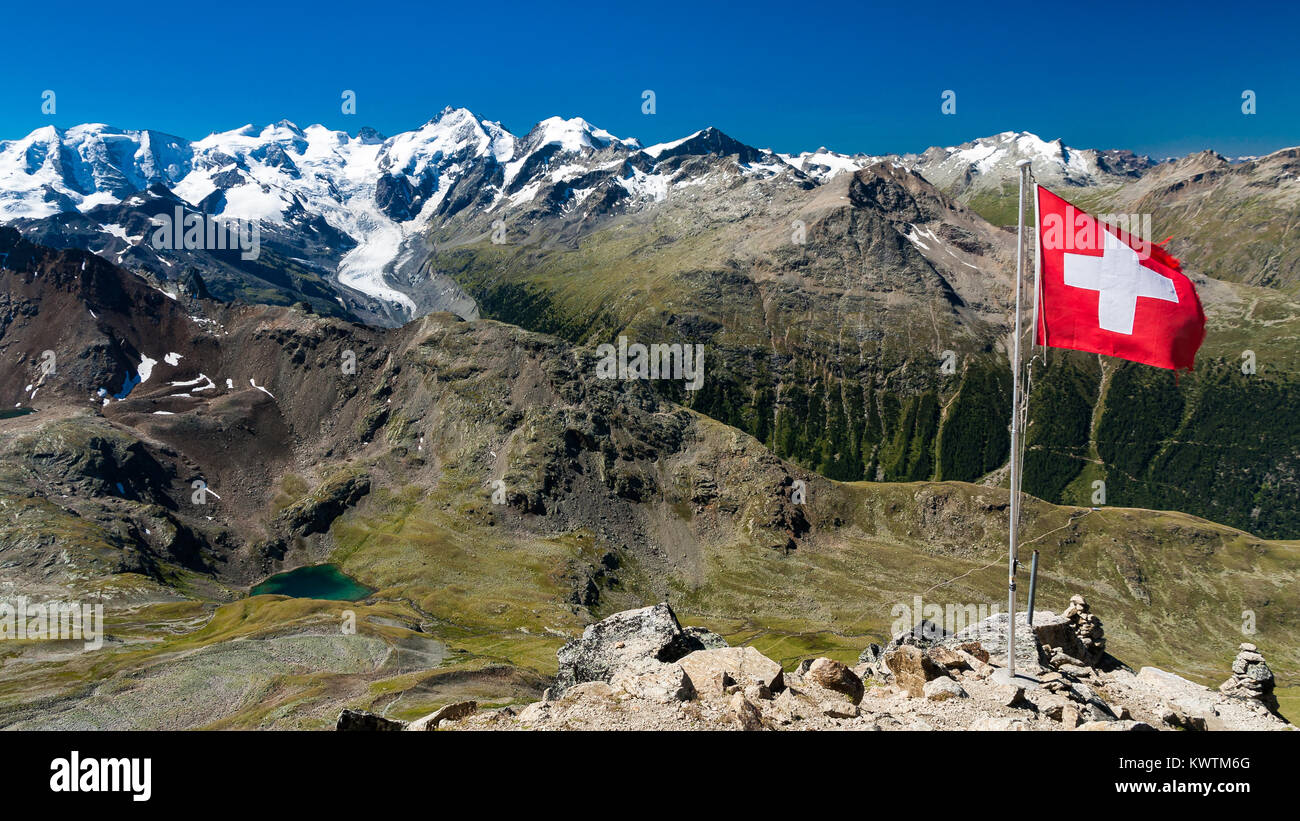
point(320, 581)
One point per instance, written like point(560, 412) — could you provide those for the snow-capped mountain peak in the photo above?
point(575, 135)
point(52, 170)
point(991, 162)
point(454, 133)
point(823, 164)
point(358, 209)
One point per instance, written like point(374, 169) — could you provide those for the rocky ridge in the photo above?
point(629, 672)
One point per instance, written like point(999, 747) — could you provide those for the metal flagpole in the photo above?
point(1023, 168)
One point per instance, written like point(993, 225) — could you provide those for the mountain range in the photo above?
point(347, 213)
point(345, 210)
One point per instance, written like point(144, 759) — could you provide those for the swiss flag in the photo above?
point(1106, 291)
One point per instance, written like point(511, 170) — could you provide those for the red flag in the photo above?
point(1107, 291)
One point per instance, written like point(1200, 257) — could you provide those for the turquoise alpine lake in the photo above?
point(320, 581)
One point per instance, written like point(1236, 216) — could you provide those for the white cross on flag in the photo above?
point(1105, 291)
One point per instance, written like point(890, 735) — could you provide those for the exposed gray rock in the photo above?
point(535, 712)
point(1076, 670)
point(1073, 638)
point(362, 720)
point(923, 634)
point(992, 636)
point(317, 512)
point(708, 640)
point(613, 643)
point(1186, 704)
point(1055, 635)
point(871, 655)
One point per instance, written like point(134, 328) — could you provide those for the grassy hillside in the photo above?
point(478, 611)
point(849, 384)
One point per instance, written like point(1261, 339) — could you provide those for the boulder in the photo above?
point(758, 692)
point(974, 649)
point(1184, 703)
point(836, 676)
point(534, 712)
point(1191, 714)
point(365, 721)
point(1070, 716)
point(743, 712)
point(911, 668)
point(662, 682)
point(587, 691)
point(1075, 670)
point(790, 706)
point(991, 634)
point(711, 672)
point(612, 643)
point(1168, 685)
point(923, 634)
point(948, 657)
point(706, 639)
point(978, 669)
point(944, 688)
point(1057, 708)
point(832, 704)
point(448, 712)
point(1011, 695)
point(871, 654)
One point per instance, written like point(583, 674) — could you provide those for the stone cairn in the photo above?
point(1251, 678)
point(1087, 627)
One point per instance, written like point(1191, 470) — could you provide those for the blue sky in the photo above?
point(1161, 79)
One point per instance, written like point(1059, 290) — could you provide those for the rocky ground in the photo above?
point(640, 670)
